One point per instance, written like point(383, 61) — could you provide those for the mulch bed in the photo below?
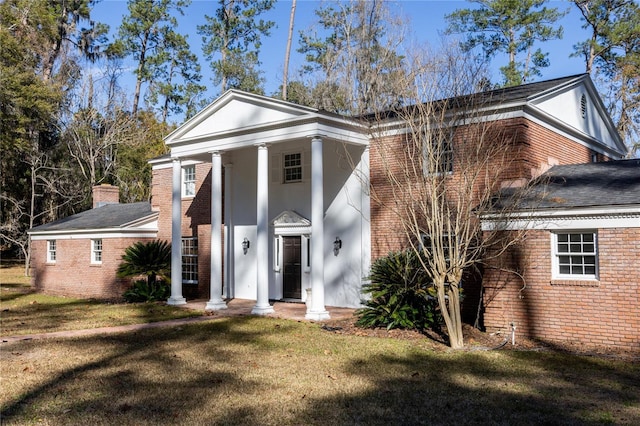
point(476, 340)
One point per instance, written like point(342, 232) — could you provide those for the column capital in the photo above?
point(176, 159)
point(228, 165)
point(215, 152)
point(262, 145)
point(317, 138)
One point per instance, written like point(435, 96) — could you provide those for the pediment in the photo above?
point(580, 107)
point(235, 111)
point(289, 218)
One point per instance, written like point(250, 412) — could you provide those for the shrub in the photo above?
point(401, 294)
point(152, 259)
point(143, 291)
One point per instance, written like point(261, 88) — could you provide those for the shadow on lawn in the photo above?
point(466, 389)
point(114, 386)
point(30, 312)
point(197, 374)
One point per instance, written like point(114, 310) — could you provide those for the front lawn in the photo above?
point(26, 312)
point(267, 371)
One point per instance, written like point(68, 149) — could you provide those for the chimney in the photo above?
point(105, 194)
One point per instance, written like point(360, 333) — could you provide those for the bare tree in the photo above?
point(45, 197)
point(440, 166)
point(92, 134)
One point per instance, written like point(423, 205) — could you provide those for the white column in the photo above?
point(316, 310)
point(262, 234)
point(215, 302)
point(229, 259)
point(176, 235)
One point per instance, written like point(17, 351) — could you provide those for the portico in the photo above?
point(268, 158)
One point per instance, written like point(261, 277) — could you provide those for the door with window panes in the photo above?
point(292, 267)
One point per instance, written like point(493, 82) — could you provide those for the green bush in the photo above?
point(152, 259)
point(143, 291)
point(401, 294)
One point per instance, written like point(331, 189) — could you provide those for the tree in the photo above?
point(235, 33)
point(355, 57)
point(176, 78)
point(441, 171)
point(92, 136)
point(287, 54)
point(143, 33)
point(613, 52)
point(39, 69)
point(510, 27)
point(133, 171)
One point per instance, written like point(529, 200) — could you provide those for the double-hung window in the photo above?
point(575, 255)
point(292, 167)
point(96, 251)
point(189, 181)
point(189, 260)
point(51, 251)
point(437, 148)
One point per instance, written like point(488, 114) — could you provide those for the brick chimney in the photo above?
point(105, 194)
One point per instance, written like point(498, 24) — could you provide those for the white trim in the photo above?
point(555, 268)
point(579, 218)
point(94, 251)
point(184, 181)
point(51, 259)
point(99, 234)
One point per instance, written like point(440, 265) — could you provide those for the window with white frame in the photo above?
point(437, 146)
point(292, 167)
point(575, 255)
point(189, 181)
point(51, 251)
point(96, 251)
point(190, 260)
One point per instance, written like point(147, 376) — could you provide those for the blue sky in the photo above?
point(425, 17)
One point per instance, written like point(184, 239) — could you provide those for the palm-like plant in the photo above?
point(400, 294)
point(152, 259)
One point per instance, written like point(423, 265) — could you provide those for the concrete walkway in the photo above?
point(235, 307)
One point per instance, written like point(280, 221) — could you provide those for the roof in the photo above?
point(610, 183)
point(105, 217)
point(504, 95)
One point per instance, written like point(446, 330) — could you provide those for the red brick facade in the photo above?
point(73, 274)
point(536, 147)
point(196, 220)
point(605, 312)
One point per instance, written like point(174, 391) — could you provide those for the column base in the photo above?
point(262, 310)
point(317, 315)
point(215, 305)
point(176, 300)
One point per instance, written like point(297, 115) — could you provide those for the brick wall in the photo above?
point(530, 148)
point(602, 313)
point(73, 274)
point(196, 220)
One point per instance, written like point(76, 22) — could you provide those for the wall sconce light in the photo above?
point(245, 245)
point(337, 245)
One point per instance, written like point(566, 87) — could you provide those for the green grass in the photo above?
point(26, 312)
point(266, 371)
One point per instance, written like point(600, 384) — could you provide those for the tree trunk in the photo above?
point(141, 64)
point(288, 51)
point(450, 310)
